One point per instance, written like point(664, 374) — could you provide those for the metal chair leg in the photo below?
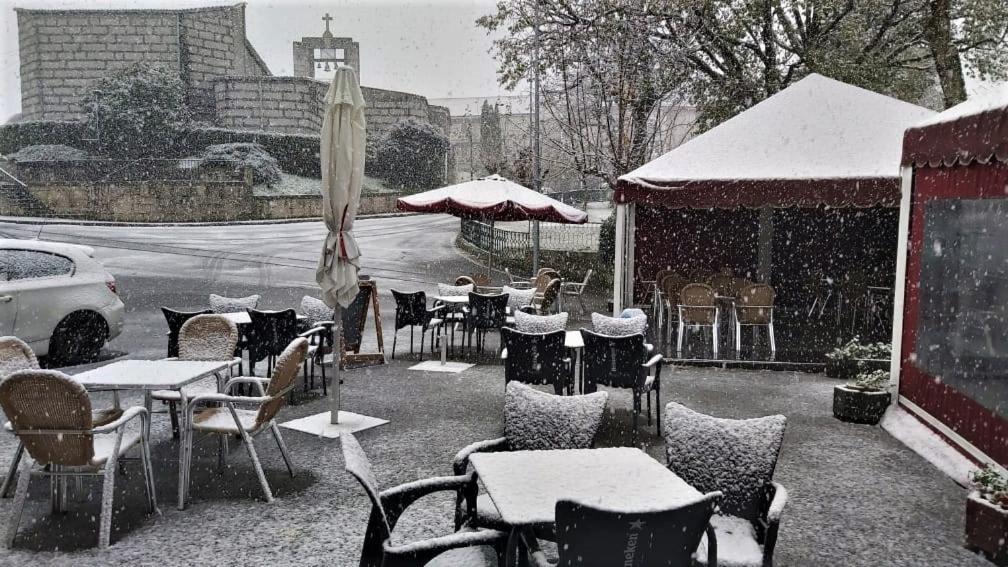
point(255, 463)
point(148, 470)
point(773, 342)
point(395, 336)
point(283, 447)
point(12, 471)
point(173, 412)
point(108, 491)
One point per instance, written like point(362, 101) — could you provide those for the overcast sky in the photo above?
point(430, 47)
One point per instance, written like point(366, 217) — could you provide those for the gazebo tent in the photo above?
point(819, 142)
point(951, 326)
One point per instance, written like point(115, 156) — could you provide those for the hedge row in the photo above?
point(297, 154)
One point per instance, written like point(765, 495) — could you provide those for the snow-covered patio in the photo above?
point(857, 496)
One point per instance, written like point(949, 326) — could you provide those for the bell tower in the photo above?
point(314, 56)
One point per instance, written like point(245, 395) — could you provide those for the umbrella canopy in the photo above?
point(492, 198)
point(342, 153)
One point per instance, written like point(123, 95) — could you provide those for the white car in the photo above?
point(58, 299)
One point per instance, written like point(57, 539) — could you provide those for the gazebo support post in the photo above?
point(766, 236)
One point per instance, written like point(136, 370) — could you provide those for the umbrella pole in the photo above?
point(337, 342)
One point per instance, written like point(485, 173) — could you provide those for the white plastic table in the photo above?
point(151, 375)
point(526, 485)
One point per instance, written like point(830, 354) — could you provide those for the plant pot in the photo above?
point(856, 406)
point(986, 526)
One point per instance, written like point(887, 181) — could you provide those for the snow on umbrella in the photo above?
point(492, 198)
point(342, 156)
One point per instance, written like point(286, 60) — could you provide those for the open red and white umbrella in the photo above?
point(492, 198)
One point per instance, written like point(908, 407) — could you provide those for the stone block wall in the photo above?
point(290, 105)
point(63, 52)
point(293, 105)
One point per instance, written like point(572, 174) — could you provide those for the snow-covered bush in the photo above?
point(265, 168)
point(18, 135)
point(855, 350)
point(992, 485)
point(414, 154)
point(48, 152)
point(874, 381)
point(138, 112)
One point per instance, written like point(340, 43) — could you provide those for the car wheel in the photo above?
point(78, 338)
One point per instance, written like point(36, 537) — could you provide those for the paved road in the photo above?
point(178, 266)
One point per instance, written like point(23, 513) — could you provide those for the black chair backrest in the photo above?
point(487, 311)
point(535, 358)
point(613, 361)
point(379, 527)
point(270, 332)
point(410, 308)
point(637, 539)
point(353, 319)
point(175, 321)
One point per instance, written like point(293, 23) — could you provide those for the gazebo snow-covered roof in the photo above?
point(819, 141)
point(974, 131)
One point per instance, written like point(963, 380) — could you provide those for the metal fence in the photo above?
point(509, 243)
point(126, 171)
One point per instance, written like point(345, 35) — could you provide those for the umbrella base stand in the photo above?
point(442, 365)
point(320, 426)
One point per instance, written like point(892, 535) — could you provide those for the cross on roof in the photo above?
point(327, 18)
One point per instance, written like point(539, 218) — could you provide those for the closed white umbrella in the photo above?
point(342, 156)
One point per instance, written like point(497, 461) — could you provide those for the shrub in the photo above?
point(138, 112)
point(607, 243)
point(296, 153)
point(874, 381)
point(265, 168)
point(414, 153)
point(48, 152)
point(855, 350)
point(13, 137)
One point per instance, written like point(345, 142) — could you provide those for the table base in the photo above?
point(319, 425)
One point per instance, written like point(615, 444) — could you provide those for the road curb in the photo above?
point(76, 222)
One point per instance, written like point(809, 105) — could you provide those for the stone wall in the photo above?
point(293, 105)
point(200, 201)
point(63, 52)
point(290, 105)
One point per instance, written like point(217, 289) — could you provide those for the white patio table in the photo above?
point(151, 375)
point(526, 485)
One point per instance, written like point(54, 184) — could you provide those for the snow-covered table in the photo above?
point(526, 485)
point(151, 375)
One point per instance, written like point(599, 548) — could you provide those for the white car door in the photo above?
point(38, 281)
point(8, 303)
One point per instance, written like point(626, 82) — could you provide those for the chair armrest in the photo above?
point(409, 492)
point(225, 399)
point(437, 308)
point(128, 415)
point(776, 508)
point(422, 552)
point(654, 360)
point(711, 545)
point(461, 462)
point(259, 382)
point(319, 330)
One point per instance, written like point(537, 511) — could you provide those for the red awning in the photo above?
point(974, 131)
point(756, 193)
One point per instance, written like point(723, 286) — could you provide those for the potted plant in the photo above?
point(847, 361)
point(987, 515)
point(863, 400)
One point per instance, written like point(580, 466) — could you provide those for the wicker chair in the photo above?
point(459, 549)
point(664, 537)
point(175, 320)
point(16, 355)
point(533, 421)
point(547, 300)
point(738, 458)
point(233, 416)
point(667, 294)
point(202, 337)
point(698, 309)
point(543, 279)
point(754, 308)
point(465, 280)
point(51, 414)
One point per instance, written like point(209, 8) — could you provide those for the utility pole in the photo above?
point(536, 171)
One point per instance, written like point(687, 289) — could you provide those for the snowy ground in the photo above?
point(858, 497)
